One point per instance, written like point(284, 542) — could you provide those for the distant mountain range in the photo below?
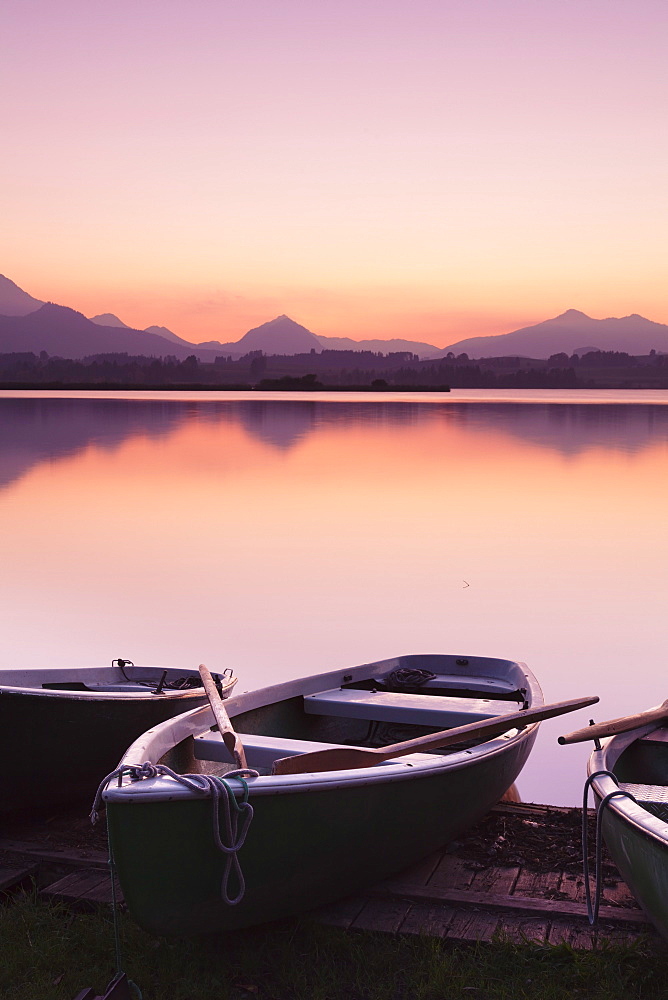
point(570, 333)
point(28, 324)
point(68, 334)
point(14, 301)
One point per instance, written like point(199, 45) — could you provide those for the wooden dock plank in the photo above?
point(83, 889)
point(529, 905)
point(472, 925)
point(518, 929)
point(29, 848)
point(382, 915)
point(537, 885)
point(572, 887)
point(14, 874)
point(577, 935)
point(101, 892)
point(623, 934)
point(428, 919)
point(421, 872)
point(495, 881)
point(73, 884)
point(618, 894)
point(451, 872)
point(342, 913)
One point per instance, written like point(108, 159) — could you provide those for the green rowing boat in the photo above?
point(635, 823)
point(48, 714)
point(201, 846)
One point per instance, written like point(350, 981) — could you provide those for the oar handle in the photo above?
point(615, 726)
point(230, 737)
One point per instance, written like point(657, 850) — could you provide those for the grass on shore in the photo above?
point(50, 953)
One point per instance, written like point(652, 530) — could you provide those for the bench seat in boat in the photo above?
point(262, 751)
point(441, 712)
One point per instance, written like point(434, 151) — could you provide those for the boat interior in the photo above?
point(642, 770)
point(364, 713)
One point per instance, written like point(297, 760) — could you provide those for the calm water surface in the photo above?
point(288, 534)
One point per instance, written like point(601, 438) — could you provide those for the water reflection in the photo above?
point(572, 429)
point(36, 430)
point(284, 537)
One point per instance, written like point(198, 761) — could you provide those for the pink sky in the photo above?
point(432, 169)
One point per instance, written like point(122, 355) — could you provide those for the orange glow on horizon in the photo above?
point(383, 315)
point(439, 172)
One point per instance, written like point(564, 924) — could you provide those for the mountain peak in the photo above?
point(566, 334)
point(279, 319)
point(573, 314)
point(108, 319)
point(14, 301)
point(279, 336)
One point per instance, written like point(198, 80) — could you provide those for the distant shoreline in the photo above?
point(196, 387)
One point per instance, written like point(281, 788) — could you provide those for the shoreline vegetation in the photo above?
point(196, 387)
point(334, 371)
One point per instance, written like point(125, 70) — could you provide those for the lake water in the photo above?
point(284, 534)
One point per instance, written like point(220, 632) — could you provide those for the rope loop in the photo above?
point(592, 910)
point(232, 815)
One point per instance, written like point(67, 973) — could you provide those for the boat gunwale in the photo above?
point(142, 692)
point(154, 743)
point(623, 808)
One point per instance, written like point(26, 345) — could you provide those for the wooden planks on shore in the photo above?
point(85, 889)
point(14, 874)
point(451, 897)
point(453, 894)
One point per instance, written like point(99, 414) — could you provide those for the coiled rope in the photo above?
point(236, 816)
point(409, 677)
point(592, 910)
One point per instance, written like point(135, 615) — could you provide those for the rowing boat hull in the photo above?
point(636, 838)
point(314, 838)
point(302, 850)
point(43, 731)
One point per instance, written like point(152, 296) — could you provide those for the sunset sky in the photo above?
point(428, 169)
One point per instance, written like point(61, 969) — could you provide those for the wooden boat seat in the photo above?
point(262, 751)
point(397, 706)
point(653, 798)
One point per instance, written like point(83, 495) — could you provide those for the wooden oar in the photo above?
point(613, 726)
point(344, 758)
point(230, 737)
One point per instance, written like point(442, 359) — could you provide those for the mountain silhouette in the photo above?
point(279, 336)
point(162, 331)
point(424, 351)
point(14, 301)
point(108, 319)
point(567, 333)
point(68, 334)
point(27, 324)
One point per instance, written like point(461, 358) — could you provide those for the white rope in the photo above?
point(237, 816)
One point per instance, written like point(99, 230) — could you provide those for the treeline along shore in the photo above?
point(335, 370)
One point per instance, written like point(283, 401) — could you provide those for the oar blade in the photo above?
point(334, 759)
